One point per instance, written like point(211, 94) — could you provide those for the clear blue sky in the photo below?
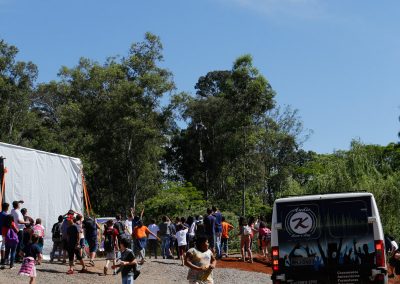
point(337, 62)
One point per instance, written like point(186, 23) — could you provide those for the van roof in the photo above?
point(323, 196)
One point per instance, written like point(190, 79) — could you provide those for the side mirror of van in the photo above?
point(371, 220)
point(278, 226)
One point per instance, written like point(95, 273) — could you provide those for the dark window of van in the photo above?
point(347, 218)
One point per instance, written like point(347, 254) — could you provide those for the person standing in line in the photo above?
point(191, 232)
point(27, 218)
point(57, 239)
point(226, 227)
point(164, 231)
point(73, 246)
point(91, 228)
point(153, 243)
point(264, 235)
point(209, 226)
point(218, 231)
point(3, 216)
point(20, 223)
point(78, 223)
point(38, 230)
point(181, 232)
point(140, 234)
point(201, 262)
point(110, 244)
point(10, 233)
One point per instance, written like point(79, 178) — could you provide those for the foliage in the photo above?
point(175, 199)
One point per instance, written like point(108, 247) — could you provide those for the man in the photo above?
point(57, 239)
point(3, 216)
point(91, 230)
point(164, 231)
point(73, 246)
point(209, 226)
point(218, 231)
point(20, 223)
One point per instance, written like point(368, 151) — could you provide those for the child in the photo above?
point(38, 230)
point(110, 244)
point(245, 240)
point(201, 262)
point(181, 232)
point(264, 235)
point(127, 262)
point(226, 227)
point(32, 253)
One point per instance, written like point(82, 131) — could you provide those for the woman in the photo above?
point(201, 262)
point(245, 240)
point(10, 235)
point(140, 233)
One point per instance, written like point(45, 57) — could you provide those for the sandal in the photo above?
point(70, 272)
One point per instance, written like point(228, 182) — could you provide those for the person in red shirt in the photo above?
point(110, 244)
point(226, 227)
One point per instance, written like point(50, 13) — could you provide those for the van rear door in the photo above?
point(326, 240)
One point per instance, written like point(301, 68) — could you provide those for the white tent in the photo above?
point(49, 184)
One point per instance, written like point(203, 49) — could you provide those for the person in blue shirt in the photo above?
point(209, 226)
point(218, 231)
point(3, 215)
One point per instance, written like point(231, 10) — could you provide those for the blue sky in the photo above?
point(337, 62)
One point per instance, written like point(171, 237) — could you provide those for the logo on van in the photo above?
point(300, 222)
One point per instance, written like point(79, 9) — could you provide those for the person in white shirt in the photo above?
point(181, 232)
point(153, 240)
point(20, 223)
point(128, 224)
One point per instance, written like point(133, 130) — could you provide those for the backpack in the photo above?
point(89, 226)
point(38, 230)
point(56, 232)
point(120, 228)
point(246, 230)
point(11, 237)
point(108, 240)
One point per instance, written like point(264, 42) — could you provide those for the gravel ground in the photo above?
point(153, 271)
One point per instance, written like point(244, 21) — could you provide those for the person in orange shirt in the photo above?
point(226, 227)
point(140, 233)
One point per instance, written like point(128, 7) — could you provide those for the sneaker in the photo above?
point(91, 262)
point(12, 267)
point(70, 272)
point(114, 273)
point(391, 276)
point(84, 270)
point(2, 267)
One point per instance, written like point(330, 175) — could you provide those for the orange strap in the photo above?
point(85, 194)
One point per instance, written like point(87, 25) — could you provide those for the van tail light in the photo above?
point(275, 259)
point(379, 253)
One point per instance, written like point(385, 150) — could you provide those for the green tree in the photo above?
point(16, 85)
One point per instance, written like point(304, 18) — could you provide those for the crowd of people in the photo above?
point(196, 241)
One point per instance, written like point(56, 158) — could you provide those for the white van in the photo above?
point(329, 238)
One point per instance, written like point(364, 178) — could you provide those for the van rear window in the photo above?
point(347, 218)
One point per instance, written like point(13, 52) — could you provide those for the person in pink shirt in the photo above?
point(38, 230)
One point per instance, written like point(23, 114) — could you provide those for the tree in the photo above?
point(16, 85)
point(109, 116)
